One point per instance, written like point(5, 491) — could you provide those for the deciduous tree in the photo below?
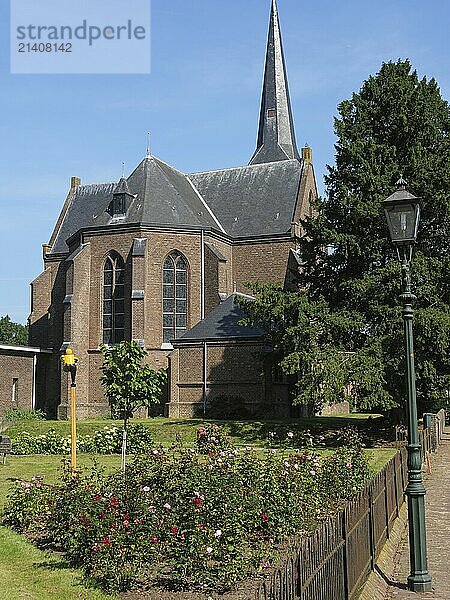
point(129, 384)
point(12, 333)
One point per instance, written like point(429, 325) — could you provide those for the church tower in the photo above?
point(276, 135)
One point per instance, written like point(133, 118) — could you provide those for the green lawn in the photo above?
point(165, 431)
point(27, 573)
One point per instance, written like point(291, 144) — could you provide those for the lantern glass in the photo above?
point(403, 221)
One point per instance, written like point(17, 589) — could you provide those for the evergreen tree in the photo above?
point(396, 125)
point(309, 342)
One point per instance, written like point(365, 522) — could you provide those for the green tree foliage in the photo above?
point(396, 124)
point(309, 341)
point(12, 333)
point(129, 384)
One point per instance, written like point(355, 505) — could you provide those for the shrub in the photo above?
point(285, 437)
point(211, 439)
point(105, 441)
point(183, 518)
point(24, 414)
point(28, 506)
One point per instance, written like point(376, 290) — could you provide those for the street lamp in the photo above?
point(69, 361)
point(402, 214)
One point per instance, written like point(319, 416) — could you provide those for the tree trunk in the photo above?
point(124, 444)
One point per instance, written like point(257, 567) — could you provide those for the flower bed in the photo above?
point(183, 519)
point(105, 441)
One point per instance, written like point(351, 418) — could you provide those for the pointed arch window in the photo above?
point(175, 296)
point(113, 299)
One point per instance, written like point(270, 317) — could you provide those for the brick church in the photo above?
point(160, 256)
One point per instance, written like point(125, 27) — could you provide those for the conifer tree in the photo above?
point(397, 124)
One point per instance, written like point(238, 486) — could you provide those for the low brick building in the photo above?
point(221, 359)
point(23, 377)
point(148, 258)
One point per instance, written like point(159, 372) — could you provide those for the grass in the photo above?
point(27, 573)
point(166, 431)
point(25, 467)
point(379, 457)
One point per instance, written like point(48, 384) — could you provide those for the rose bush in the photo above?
point(189, 520)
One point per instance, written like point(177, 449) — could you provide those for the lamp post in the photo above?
point(402, 214)
point(69, 361)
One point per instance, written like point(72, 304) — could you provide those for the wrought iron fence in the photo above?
point(336, 560)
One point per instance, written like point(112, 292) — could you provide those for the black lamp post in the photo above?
point(402, 214)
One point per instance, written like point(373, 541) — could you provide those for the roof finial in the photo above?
point(148, 145)
point(123, 169)
point(401, 183)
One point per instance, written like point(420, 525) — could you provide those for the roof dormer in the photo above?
point(121, 201)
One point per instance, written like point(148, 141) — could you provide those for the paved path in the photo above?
point(437, 517)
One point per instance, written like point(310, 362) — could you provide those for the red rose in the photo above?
point(197, 501)
point(264, 517)
point(174, 529)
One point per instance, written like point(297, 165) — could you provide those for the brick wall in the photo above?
point(16, 379)
point(260, 261)
point(83, 315)
point(212, 290)
point(232, 369)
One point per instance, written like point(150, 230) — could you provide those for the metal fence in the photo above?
point(336, 560)
point(430, 437)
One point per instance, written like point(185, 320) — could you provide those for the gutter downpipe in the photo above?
point(33, 394)
point(202, 275)
point(205, 359)
point(202, 314)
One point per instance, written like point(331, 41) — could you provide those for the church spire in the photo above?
point(276, 136)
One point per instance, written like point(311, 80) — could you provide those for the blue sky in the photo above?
point(200, 102)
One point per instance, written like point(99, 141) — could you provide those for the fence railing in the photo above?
point(336, 560)
point(430, 436)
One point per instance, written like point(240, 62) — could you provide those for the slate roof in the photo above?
point(222, 323)
point(122, 187)
point(253, 200)
point(242, 202)
point(87, 202)
point(162, 196)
